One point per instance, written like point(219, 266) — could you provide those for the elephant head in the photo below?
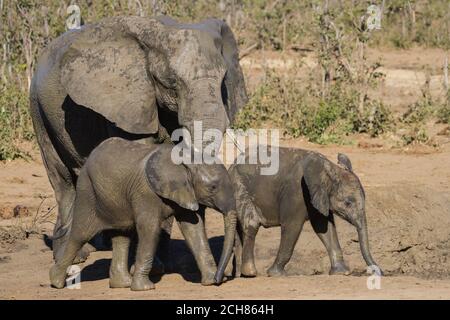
point(336, 189)
point(129, 68)
point(194, 185)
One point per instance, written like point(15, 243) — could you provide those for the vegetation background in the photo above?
point(331, 105)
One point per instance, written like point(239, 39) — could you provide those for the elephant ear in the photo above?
point(105, 71)
point(233, 89)
point(169, 180)
point(317, 180)
point(234, 79)
point(345, 162)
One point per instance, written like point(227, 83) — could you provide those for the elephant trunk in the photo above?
point(204, 116)
point(230, 232)
point(207, 134)
point(363, 238)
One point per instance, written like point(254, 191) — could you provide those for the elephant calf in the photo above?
point(125, 185)
point(307, 187)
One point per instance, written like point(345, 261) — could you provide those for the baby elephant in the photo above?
point(125, 185)
point(307, 187)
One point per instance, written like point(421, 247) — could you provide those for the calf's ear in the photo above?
point(318, 181)
point(169, 180)
point(345, 162)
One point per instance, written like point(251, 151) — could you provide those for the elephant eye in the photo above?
point(169, 82)
point(172, 82)
point(347, 202)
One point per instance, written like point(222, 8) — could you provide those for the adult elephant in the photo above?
point(133, 77)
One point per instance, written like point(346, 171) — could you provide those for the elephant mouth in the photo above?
point(342, 215)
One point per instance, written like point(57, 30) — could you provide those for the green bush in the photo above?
point(444, 113)
point(419, 111)
point(298, 111)
point(375, 119)
point(416, 134)
point(428, 108)
point(15, 123)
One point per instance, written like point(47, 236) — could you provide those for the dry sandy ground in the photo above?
point(408, 209)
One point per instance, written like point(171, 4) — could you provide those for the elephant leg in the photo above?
point(62, 183)
point(59, 271)
point(161, 260)
point(193, 229)
point(238, 251)
point(158, 267)
point(162, 254)
point(326, 231)
point(61, 231)
point(119, 276)
point(148, 235)
point(248, 268)
point(64, 189)
point(65, 195)
point(290, 233)
point(79, 235)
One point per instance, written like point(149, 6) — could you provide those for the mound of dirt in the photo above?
point(10, 235)
point(411, 230)
point(409, 233)
point(9, 211)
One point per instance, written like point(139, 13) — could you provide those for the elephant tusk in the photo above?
point(235, 141)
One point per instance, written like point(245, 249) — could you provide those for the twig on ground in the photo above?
point(248, 50)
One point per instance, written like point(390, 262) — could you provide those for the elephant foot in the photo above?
point(340, 268)
point(248, 270)
point(83, 254)
point(142, 283)
point(376, 271)
point(237, 271)
point(208, 279)
point(275, 271)
point(120, 280)
point(229, 270)
point(57, 277)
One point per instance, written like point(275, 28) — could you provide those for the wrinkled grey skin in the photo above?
point(131, 77)
point(126, 185)
point(307, 187)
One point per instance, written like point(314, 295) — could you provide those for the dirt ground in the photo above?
point(408, 211)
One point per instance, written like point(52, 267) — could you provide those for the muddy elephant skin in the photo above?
point(127, 185)
point(307, 187)
point(138, 78)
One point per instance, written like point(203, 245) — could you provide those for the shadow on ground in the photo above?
point(181, 261)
